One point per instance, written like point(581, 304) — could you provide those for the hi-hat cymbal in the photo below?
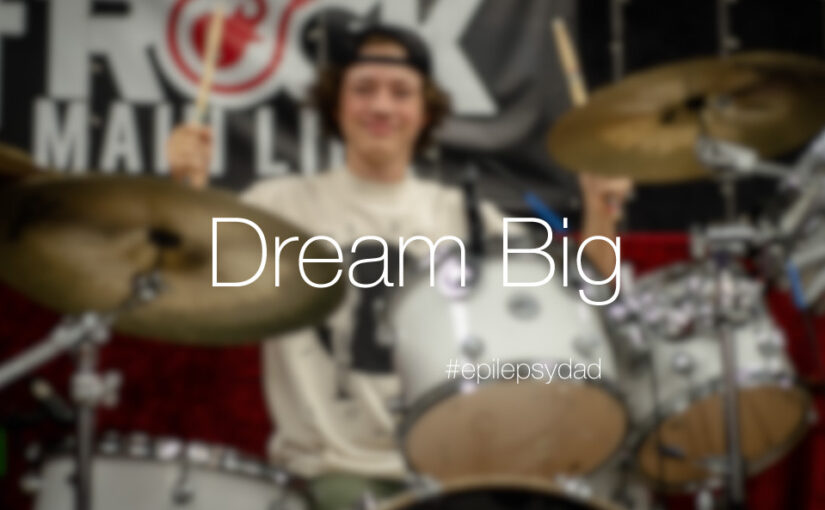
point(646, 125)
point(75, 244)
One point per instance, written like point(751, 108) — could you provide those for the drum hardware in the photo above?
point(139, 472)
point(84, 334)
point(731, 162)
point(110, 443)
point(524, 306)
point(622, 492)
point(165, 448)
point(723, 245)
point(58, 408)
point(735, 485)
point(472, 347)
point(183, 491)
point(617, 34)
point(683, 364)
point(727, 41)
point(736, 160)
point(681, 452)
point(586, 346)
point(794, 256)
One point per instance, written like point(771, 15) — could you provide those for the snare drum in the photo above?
point(142, 473)
point(681, 430)
point(454, 428)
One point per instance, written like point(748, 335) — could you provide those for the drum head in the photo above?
point(772, 420)
point(497, 494)
point(530, 429)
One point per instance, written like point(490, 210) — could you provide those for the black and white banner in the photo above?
point(99, 84)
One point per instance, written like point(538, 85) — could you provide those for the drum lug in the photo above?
point(524, 306)
point(94, 388)
point(683, 364)
point(139, 445)
point(472, 347)
point(183, 493)
point(585, 345)
point(772, 344)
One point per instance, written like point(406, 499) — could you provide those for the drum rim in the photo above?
point(290, 487)
point(648, 427)
point(467, 483)
point(117, 447)
point(421, 272)
point(450, 388)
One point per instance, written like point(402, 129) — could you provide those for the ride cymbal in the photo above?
point(76, 244)
point(645, 126)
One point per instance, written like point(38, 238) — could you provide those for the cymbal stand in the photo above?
point(725, 296)
point(84, 334)
point(722, 244)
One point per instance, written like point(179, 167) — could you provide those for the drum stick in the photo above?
point(577, 88)
point(214, 36)
point(569, 62)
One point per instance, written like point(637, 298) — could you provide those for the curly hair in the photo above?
point(325, 95)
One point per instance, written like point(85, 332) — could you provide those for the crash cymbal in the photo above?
point(646, 125)
point(14, 163)
point(75, 244)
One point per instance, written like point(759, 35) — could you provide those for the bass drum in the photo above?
point(498, 493)
point(455, 427)
point(681, 431)
point(140, 473)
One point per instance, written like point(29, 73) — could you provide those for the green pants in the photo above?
point(343, 492)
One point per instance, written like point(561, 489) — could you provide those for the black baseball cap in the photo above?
point(417, 53)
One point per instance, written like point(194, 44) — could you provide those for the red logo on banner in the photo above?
point(242, 29)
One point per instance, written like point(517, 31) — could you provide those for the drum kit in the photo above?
point(696, 390)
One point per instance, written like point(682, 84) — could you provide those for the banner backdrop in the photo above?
point(100, 84)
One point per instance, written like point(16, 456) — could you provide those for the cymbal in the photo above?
point(14, 163)
point(75, 244)
point(645, 126)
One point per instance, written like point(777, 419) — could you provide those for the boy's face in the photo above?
point(381, 106)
